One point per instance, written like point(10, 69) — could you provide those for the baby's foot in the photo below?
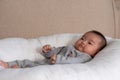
point(3, 64)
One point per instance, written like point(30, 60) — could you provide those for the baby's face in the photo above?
point(89, 43)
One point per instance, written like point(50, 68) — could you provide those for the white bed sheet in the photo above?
point(105, 65)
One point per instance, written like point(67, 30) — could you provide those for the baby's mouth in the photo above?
point(80, 48)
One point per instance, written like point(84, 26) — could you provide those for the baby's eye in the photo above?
point(82, 38)
point(90, 43)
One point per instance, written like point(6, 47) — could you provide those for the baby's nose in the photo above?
point(84, 43)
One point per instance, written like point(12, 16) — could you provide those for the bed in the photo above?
point(63, 25)
point(104, 66)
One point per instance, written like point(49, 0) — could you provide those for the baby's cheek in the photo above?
point(88, 50)
point(80, 49)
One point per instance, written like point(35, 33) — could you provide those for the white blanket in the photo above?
point(105, 65)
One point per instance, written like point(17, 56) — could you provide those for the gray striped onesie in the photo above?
point(65, 55)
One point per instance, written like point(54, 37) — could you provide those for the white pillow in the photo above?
point(109, 56)
point(16, 48)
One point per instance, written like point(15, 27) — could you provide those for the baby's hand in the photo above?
point(46, 48)
point(53, 58)
point(4, 64)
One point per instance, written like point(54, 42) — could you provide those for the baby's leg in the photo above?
point(5, 65)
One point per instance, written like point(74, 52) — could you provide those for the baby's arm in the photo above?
point(47, 51)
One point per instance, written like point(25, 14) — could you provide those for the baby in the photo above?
point(82, 51)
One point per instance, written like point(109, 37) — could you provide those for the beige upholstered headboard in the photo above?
point(34, 18)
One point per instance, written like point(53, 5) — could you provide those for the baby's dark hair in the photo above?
point(104, 41)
